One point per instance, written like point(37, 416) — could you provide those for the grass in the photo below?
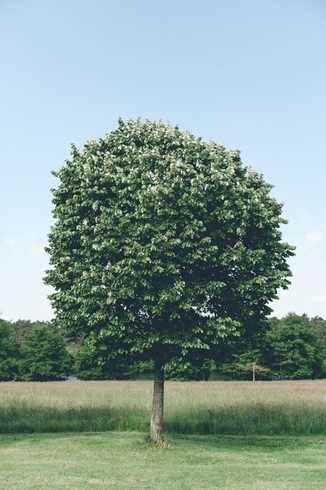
point(204, 408)
point(219, 435)
point(124, 461)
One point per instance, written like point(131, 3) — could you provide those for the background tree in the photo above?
point(297, 352)
point(9, 350)
point(191, 367)
point(275, 352)
point(163, 243)
point(44, 357)
point(249, 364)
point(22, 329)
point(97, 361)
point(318, 325)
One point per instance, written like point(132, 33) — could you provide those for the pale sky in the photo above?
point(249, 74)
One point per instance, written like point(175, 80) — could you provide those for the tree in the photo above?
point(163, 243)
point(8, 352)
point(297, 351)
point(191, 367)
point(22, 329)
point(318, 325)
point(246, 365)
point(44, 357)
point(98, 362)
point(253, 367)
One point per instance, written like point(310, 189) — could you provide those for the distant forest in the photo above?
point(293, 347)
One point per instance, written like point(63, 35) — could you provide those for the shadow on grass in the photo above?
point(252, 442)
point(255, 419)
point(35, 419)
point(136, 441)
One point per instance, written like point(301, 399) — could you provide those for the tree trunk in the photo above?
point(158, 401)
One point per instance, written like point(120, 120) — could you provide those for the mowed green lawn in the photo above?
point(126, 461)
point(230, 435)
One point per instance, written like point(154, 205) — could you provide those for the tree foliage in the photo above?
point(248, 365)
point(22, 329)
point(297, 352)
point(289, 349)
point(163, 243)
point(98, 362)
point(8, 352)
point(318, 325)
point(44, 357)
point(191, 367)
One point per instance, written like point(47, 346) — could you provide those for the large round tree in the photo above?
point(163, 243)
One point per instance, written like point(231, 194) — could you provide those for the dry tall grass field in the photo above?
point(216, 407)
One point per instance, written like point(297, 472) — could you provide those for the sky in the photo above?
point(248, 74)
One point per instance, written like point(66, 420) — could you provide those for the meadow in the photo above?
point(197, 408)
point(218, 435)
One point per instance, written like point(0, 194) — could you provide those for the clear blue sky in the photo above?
point(249, 74)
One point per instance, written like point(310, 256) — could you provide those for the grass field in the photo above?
point(203, 408)
point(219, 435)
point(123, 461)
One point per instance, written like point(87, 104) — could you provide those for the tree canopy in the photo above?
point(300, 353)
point(163, 243)
point(44, 357)
point(8, 351)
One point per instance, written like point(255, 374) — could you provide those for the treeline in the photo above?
point(293, 347)
point(33, 351)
